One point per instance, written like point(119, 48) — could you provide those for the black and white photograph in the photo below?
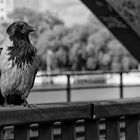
point(69, 70)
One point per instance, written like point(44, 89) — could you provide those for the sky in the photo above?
point(70, 11)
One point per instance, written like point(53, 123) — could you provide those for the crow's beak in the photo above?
point(30, 29)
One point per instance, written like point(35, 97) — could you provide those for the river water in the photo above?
point(83, 95)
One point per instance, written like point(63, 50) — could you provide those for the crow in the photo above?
point(18, 64)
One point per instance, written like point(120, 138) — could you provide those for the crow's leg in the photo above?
point(6, 103)
point(25, 103)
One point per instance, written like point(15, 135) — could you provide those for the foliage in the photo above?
point(81, 47)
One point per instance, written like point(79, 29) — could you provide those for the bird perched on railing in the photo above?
point(18, 64)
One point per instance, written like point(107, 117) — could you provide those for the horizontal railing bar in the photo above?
point(53, 112)
point(44, 113)
point(88, 73)
point(68, 111)
point(114, 108)
point(81, 87)
point(102, 86)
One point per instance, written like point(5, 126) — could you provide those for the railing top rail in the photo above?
point(44, 113)
point(88, 73)
point(116, 108)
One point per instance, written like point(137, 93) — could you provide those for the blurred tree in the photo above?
point(97, 48)
point(76, 40)
point(91, 63)
point(77, 33)
point(81, 47)
point(120, 56)
point(52, 39)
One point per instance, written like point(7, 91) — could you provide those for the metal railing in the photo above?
point(110, 120)
point(69, 87)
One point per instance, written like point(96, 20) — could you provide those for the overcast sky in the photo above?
point(71, 11)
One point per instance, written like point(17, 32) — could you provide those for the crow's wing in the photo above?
point(0, 53)
point(1, 97)
point(4, 45)
point(34, 78)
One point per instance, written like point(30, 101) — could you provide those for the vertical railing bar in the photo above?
point(112, 129)
point(68, 130)
point(1, 133)
point(132, 128)
point(121, 85)
point(92, 130)
point(21, 132)
point(45, 131)
point(68, 88)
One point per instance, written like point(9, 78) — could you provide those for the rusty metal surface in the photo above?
point(121, 17)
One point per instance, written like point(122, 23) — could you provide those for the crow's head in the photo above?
point(21, 51)
point(19, 28)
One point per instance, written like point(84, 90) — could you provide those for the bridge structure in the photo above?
point(99, 120)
